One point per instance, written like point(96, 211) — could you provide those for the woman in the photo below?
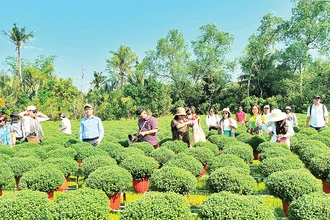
point(6, 134)
point(291, 116)
point(180, 126)
point(227, 125)
point(282, 129)
point(256, 121)
point(212, 120)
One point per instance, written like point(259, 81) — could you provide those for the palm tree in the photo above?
point(122, 63)
point(18, 37)
point(99, 80)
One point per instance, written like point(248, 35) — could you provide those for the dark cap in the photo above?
point(14, 114)
point(316, 97)
point(139, 111)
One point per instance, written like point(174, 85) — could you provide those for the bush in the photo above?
point(255, 141)
point(307, 153)
point(49, 147)
point(202, 154)
point(161, 206)
point(228, 160)
point(176, 146)
point(293, 143)
point(20, 165)
point(310, 206)
point(27, 145)
point(274, 164)
point(126, 152)
point(25, 205)
point(110, 180)
point(61, 153)
point(6, 175)
point(306, 143)
point(111, 148)
point(173, 179)
point(245, 137)
point(146, 147)
point(307, 131)
point(222, 141)
point(162, 155)
point(66, 165)
point(209, 145)
point(139, 166)
point(5, 149)
point(225, 205)
point(320, 165)
point(186, 162)
point(30, 152)
point(164, 140)
point(94, 162)
point(267, 145)
point(85, 150)
point(289, 185)
point(243, 151)
point(274, 152)
point(46, 178)
point(212, 132)
point(84, 203)
point(4, 157)
point(231, 179)
point(324, 139)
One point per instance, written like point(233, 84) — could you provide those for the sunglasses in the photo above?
point(34, 112)
point(225, 113)
point(2, 120)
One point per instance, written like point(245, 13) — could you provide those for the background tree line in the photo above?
point(284, 63)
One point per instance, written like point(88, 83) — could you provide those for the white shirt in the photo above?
point(226, 124)
point(212, 120)
point(267, 129)
point(288, 134)
point(66, 123)
point(317, 115)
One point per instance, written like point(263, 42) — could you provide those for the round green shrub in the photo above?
point(5, 149)
point(173, 179)
point(255, 141)
point(274, 152)
point(61, 153)
point(110, 180)
point(267, 145)
point(274, 164)
point(293, 143)
point(228, 160)
point(212, 132)
point(221, 141)
point(126, 152)
point(324, 139)
point(146, 147)
point(66, 165)
point(202, 154)
point(175, 146)
point(84, 203)
point(139, 166)
point(306, 143)
point(232, 180)
point(49, 147)
point(226, 205)
point(46, 178)
point(27, 145)
point(112, 148)
point(209, 145)
point(160, 206)
point(163, 140)
point(245, 137)
point(243, 151)
point(4, 157)
point(296, 128)
point(186, 162)
point(320, 165)
point(30, 152)
point(6, 175)
point(85, 150)
point(289, 185)
point(20, 165)
point(310, 206)
point(307, 131)
point(25, 205)
point(162, 155)
point(94, 162)
point(307, 153)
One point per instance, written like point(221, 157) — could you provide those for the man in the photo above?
point(66, 124)
point(31, 119)
point(148, 127)
point(267, 115)
point(91, 127)
point(17, 127)
point(240, 116)
point(317, 114)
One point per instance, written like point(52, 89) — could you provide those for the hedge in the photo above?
point(320, 165)
point(306, 154)
point(274, 164)
point(126, 152)
point(231, 179)
point(4, 157)
point(307, 131)
point(139, 166)
point(209, 145)
point(6, 175)
point(30, 152)
point(111, 148)
point(186, 162)
point(66, 165)
point(146, 147)
point(162, 155)
point(225, 205)
point(221, 141)
point(324, 139)
point(245, 137)
point(62, 152)
point(20, 165)
point(242, 150)
point(305, 143)
point(173, 179)
point(85, 150)
point(84, 203)
point(267, 145)
point(228, 160)
point(175, 146)
point(94, 162)
point(289, 185)
point(160, 206)
point(5, 149)
point(49, 147)
point(274, 152)
point(202, 154)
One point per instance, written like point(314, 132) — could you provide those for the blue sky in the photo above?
point(81, 33)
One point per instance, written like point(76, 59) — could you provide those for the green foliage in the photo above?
point(245, 137)
point(186, 162)
point(162, 155)
point(112, 148)
point(5, 149)
point(305, 143)
point(77, 205)
point(231, 179)
point(25, 205)
point(146, 147)
point(173, 179)
point(27, 145)
point(6, 175)
point(202, 154)
point(320, 165)
point(20, 165)
point(4, 157)
point(307, 153)
point(243, 151)
point(277, 151)
point(139, 166)
point(155, 205)
point(289, 185)
point(175, 146)
point(46, 178)
point(211, 133)
point(308, 131)
point(324, 139)
point(53, 146)
point(310, 206)
point(255, 141)
point(62, 152)
point(126, 152)
point(30, 152)
point(110, 180)
point(94, 162)
point(66, 165)
point(274, 164)
point(267, 145)
point(85, 150)
point(228, 160)
point(225, 205)
point(209, 145)
point(222, 141)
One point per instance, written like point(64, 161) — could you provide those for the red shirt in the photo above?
point(240, 116)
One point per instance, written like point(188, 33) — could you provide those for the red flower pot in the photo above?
point(285, 206)
point(204, 170)
point(17, 179)
point(255, 155)
point(326, 188)
point(114, 201)
point(141, 186)
point(51, 195)
point(79, 164)
point(65, 185)
point(0, 192)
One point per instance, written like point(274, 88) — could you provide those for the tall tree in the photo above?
point(19, 38)
point(99, 80)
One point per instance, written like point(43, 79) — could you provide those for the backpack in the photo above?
point(310, 110)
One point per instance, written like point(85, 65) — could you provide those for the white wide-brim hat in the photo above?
point(277, 115)
point(180, 111)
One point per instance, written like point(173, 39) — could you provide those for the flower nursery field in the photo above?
point(246, 177)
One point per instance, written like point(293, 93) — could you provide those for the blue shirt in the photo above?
point(91, 128)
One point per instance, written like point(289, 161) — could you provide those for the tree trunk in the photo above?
point(19, 66)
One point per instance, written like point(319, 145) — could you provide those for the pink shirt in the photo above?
point(146, 125)
point(240, 116)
